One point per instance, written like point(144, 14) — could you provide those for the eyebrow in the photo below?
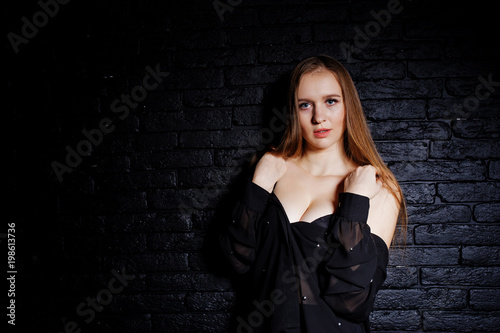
point(326, 96)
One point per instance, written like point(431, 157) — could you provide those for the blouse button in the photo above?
point(350, 249)
point(304, 298)
point(340, 324)
point(234, 222)
point(317, 245)
point(371, 280)
point(267, 222)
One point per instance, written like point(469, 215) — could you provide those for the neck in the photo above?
point(332, 161)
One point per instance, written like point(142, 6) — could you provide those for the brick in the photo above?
point(439, 213)
point(470, 48)
point(259, 74)
point(476, 129)
point(139, 180)
point(461, 276)
point(487, 212)
point(116, 202)
point(125, 244)
point(461, 87)
point(303, 14)
point(402, 151)
point(401, 277)
point(187, 120)
point(461, 321)
point(160, 141)
point(400, 50)
point(374, 70)
point(113, 164)
point(446, 68)
point(418, 299)
point(457, 234)
point(190, 322)
point(163, 101)
point(248, 115)
point(186, 200)
point(148, 222)
point(285, 54)
point(174, 159)
point(459, 108)
point(256, 35)
point(217, 57)
point(400, 89)
point(485, 299)
point(233, 157)
point(202, 39)
point(223, 97)
point(459, 149)
point(332, 32)
point(481, 255)
point(395, 320)
point(187, 282)
point(394, 109)
point(418, 192)
point(174, 242)
point(121, 322)
point(442, 170)
point(147, 303)
point(196, 177)
point(494, 170)
point(152, 262)
point(425, 29)
point(424, 256)
point(409, 130)
point(220, 139)
point(210, 301)
point(469, 192)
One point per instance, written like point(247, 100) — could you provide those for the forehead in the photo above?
point(319, 83)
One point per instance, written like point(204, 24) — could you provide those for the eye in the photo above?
point(331, 101)
point(304, 106)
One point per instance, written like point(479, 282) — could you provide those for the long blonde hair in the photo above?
point(358, 142)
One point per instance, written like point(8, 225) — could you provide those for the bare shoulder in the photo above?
point(383, 215)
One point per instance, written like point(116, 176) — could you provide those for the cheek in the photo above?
point(338, 119)
point(304, 120)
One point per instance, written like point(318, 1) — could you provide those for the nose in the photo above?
point(319, 115)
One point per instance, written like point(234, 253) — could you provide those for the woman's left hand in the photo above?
point(363, 181)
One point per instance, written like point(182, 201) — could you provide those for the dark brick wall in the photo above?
point(131, 224)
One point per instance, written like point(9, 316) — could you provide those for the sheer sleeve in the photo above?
point(356, 262)
point(238, 240)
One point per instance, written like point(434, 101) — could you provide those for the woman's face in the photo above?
point(320, 107)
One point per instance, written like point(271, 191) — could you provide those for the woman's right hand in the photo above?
point(269, 170)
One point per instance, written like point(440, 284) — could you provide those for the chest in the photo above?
point(305, 197)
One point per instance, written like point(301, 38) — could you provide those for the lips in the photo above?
point(321, 133)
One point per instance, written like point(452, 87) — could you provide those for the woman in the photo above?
point(314, 224)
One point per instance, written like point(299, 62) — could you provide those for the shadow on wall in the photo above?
point(273, 125)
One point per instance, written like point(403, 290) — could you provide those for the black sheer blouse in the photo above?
point(305, 277)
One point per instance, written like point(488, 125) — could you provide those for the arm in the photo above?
point(238, 240)
point(358, 258)
point(357, 262)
